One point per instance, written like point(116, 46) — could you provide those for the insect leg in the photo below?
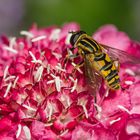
point(80, 64)
point(77, 66)
point(68, 56)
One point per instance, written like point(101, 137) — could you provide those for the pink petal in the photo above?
point(135, 98)
point(132, 129)
point(92, 132)
point(109, 35)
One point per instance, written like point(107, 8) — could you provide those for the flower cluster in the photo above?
point(43, 96)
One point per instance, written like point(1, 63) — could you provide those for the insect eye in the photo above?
point(75, 37)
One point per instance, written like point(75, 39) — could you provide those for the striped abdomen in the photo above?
point(88, 45)
point(107, 69)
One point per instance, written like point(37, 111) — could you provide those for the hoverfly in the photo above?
point(99, 60)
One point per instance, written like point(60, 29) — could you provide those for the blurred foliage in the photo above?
point(90, 14)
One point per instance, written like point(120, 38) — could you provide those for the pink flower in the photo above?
point(109, 35)
point(42, 98)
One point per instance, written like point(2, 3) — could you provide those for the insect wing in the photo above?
point(93, 78)
point(120, 55)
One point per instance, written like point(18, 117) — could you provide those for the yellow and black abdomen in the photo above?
point(105, 66)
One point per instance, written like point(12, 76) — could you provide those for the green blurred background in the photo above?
point(90, 14)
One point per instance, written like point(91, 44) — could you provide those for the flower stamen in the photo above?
point(8, 89)
point(9, 78)
point(74, 86)
point(128, 82)
point(28, 107)
point(83, 104)
point(39, 73)
point(32, 55)
point(11, 45)
point(130, 72)
point(18, 131)
point(64, 132)
point(55, 34)
point(57, 55)
point(39, 38)
point(12, 42)
point(58, 83)
point(50, 107)
point(27, 132)
point(124, 109)
point(15, 82)
point(11, 49)
point(50, 82)
point(5, 72)
point(59, 67)
point(99, 110)
point(27, 33)
point(113, 121)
